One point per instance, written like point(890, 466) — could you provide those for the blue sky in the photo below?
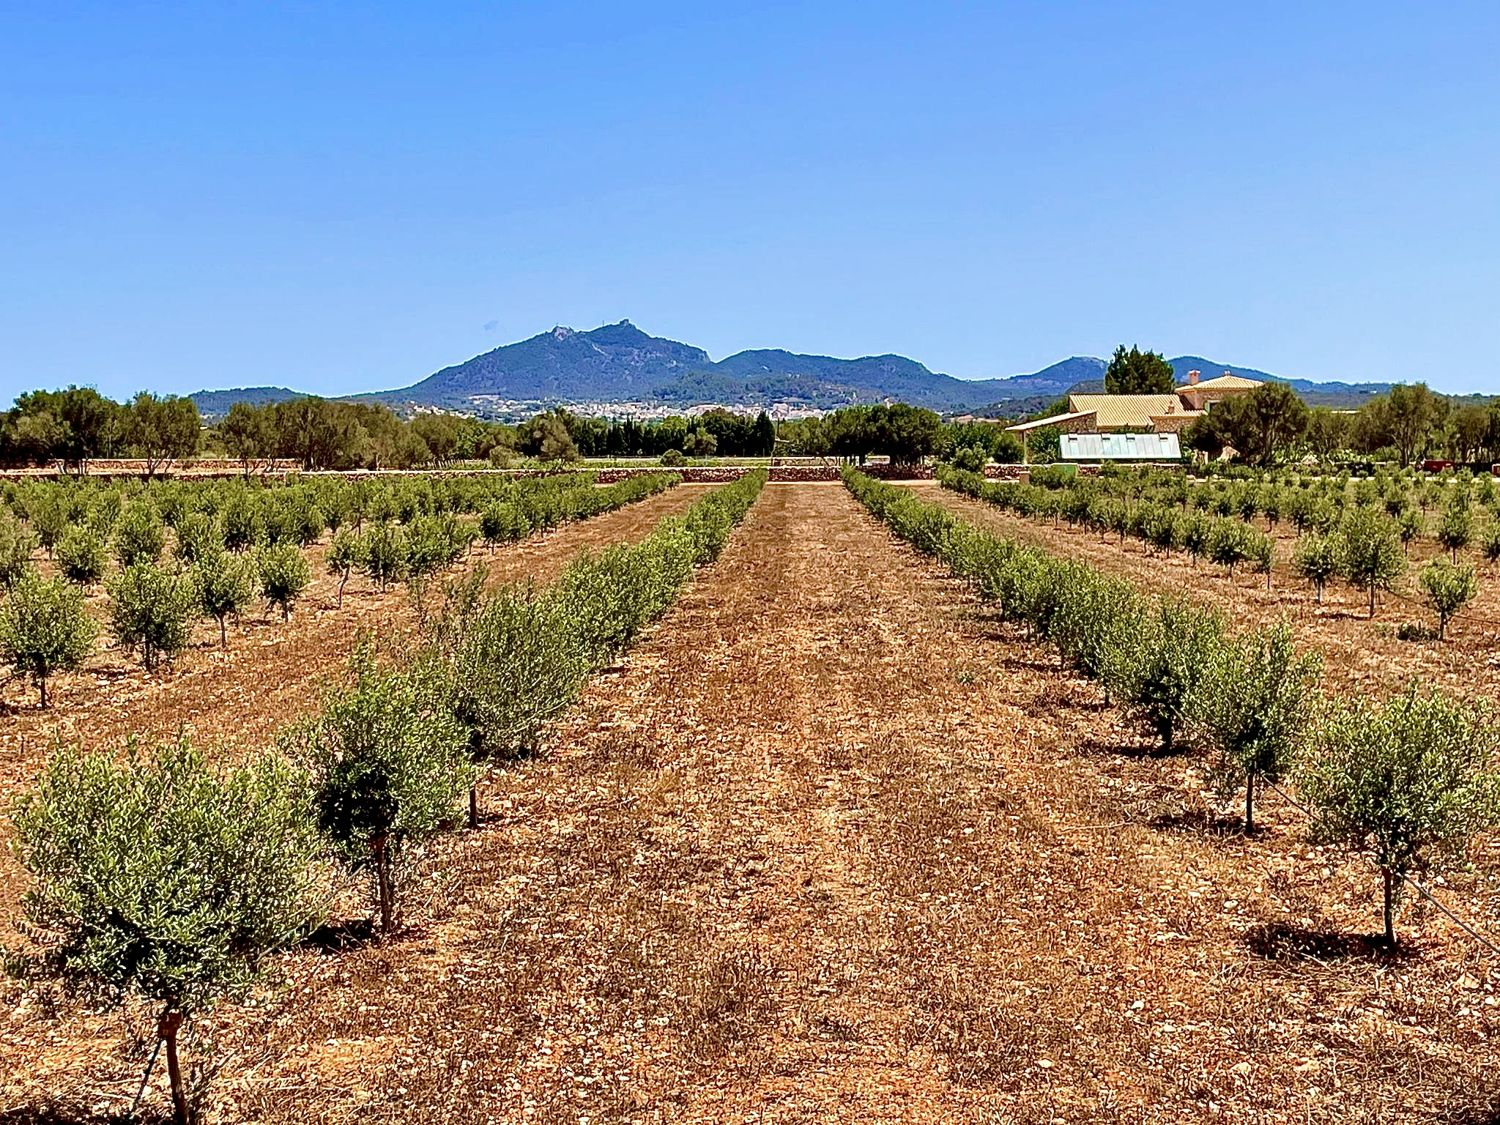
point(347, 197)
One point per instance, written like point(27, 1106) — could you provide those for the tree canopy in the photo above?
point(1138, 373)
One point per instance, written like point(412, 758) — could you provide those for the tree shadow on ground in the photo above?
point(1276, 942)
point(342, 936)
point(1143, 751)
point(73, 1113)
point(1200, 822)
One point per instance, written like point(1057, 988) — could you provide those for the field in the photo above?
point(831, 842)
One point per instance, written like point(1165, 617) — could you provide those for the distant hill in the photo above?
point(1316, 394)
point(213, 405)
point(621, 363)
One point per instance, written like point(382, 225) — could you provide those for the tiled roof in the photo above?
point(1221, 383)
point(1118, 412)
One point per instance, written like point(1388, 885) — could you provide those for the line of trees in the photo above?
point(169, 879)
point(1408, 782)
point(235, 540)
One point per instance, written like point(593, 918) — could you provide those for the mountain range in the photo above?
point(619, 363)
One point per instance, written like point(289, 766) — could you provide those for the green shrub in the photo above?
point(345, 553)
point(152, 609)
point(672, 459)
point(198, 537)
point(1447, 589)
point(225, 583)
point(1371, 552)
point(1255, 710)
point(1317, 558)
point(383, 554)
point(44, 628)
point(1409, 782)
point(284, 574)
point(240, 519)
point(81, 556)
point(48, 518)
point(509, 666)
point(388, 769)
point(164, 879)
point(1159, 667)
point(16, 547)
point(1456, 528)
point(1408, 528)
point(503, 522)
point(139, 534)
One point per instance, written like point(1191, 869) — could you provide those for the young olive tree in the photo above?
point(81, 555)
point(139, 534)
point(1447, 589)
point(16, 547)
point(1255, 709)
point(44, 628)
point(152, 609)
point(1410, 782)
point(198, 537)
point(507, 667)
point(284, 574)
point(161, 877)
point(344, 554)
point(383, 554)
point(1371, 554)
point(1456, 529)
point(225, 583)
point(1317, 559)
point(1156, 670)
point(388, 768)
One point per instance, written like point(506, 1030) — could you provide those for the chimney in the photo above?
point(1193, 378)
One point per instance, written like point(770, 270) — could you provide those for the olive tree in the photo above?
point(139, 534)
point(284, 574)
point(225, 585)
point(161, 877)
point(1317, 558)
point(507, 667)
point(152, 609)
point(81, 555)
point(383, 554)
point(1371, 553)
point(344, 554)
point(1155, 671)
point(1447, 589)
point(1409, 782)
point(44, 628)
point(388, 768)
point(16, 547)
point(1255, 710)
point(1456, 528)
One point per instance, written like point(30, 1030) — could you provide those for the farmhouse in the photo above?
point(1139, 414)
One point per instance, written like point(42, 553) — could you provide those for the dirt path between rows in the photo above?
point(235, 701)
point(1359, 654)
point(830, 845)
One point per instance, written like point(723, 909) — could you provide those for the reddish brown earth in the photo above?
point(273, 671)
point(832, 845)
point(1360, 653)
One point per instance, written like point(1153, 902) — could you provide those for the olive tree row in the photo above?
point(166, 878)
point(1409, 782)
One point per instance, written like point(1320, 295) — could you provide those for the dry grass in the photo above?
point(832, 845)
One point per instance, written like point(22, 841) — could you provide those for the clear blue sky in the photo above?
point(347, 197)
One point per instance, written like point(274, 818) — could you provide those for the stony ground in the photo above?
point(833, 845)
